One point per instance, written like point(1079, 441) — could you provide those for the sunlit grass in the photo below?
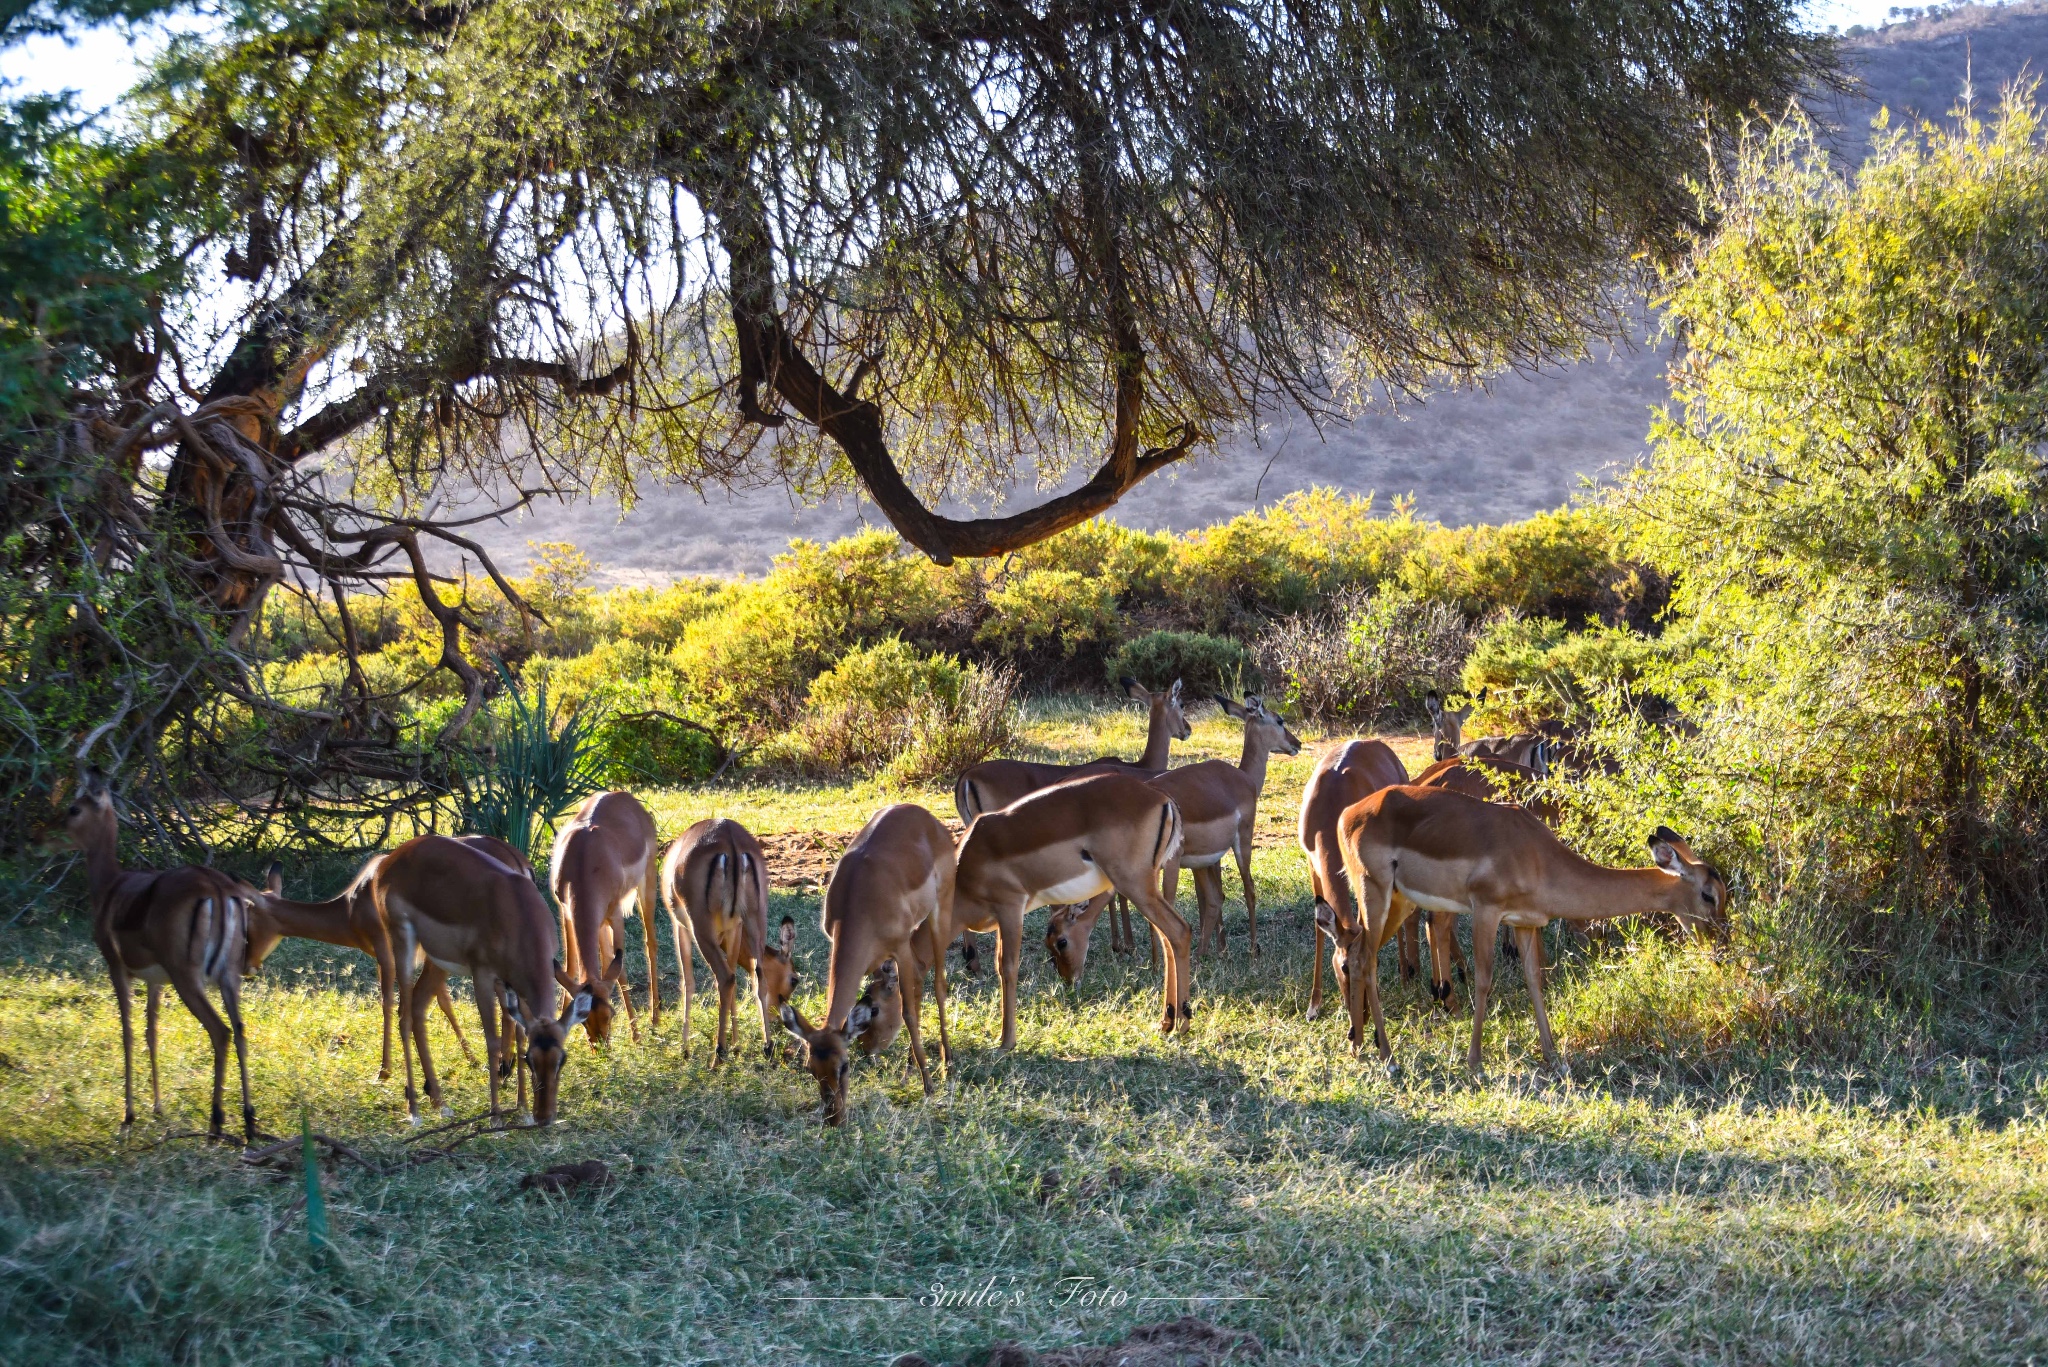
point(1750, 1163)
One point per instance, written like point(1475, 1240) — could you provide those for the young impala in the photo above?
point(1352, 771)
point(715, 876)
point(1409, 848)
point(891, 897)
point(186, 928)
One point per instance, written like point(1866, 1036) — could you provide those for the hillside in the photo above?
point(1523, 444)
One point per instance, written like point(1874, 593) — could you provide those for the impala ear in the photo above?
point(562, 977)
point(1434, 705)
point(1234, 709)
point(578, 1008)
point(1173, 693)
point(1326, 919)
point(273, 878)
point(617, 969)
point(859, 1019)
point(512, 1007)
point(1134, 688)
point(794, 1023)
point(1663, 853)
point(788, 937)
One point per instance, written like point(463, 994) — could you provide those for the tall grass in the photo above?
point(533, 767)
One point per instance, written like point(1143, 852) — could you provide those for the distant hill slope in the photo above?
point(1518, 447)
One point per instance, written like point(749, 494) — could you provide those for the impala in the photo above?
point(186, 927)
point(1219, 807)
point(605, 854)
point(1345, 775)
point(1067, 844)
point(716, 875)
point(1529, 749)
point(883, 997)
point(890, 897)
point(470, 912)
point(999, 782)
point(1411, 847)
point(349, 919)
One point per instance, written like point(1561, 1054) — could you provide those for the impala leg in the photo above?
point(616, 952)
point(910, 983)
point(515, 1031)
point(405, 1033)
point(1442, 927)
point(1530, 940)
point(447, 1002)
point(685, 971)
point(231, 1003)
point(1009, 952)
point(118, 971)
point(430, 981)
point(149, 1017)
point(1485, 933)
point(572, 960)
point(387, 994)
point(1209, 904)
point(727, 1006)
point(193, 993)
point(938, 953)
point(644, 902)
point(1251, 892)
point(1176, 942)
point(1407, 954)
point(489, 1001)
point(1374, 941)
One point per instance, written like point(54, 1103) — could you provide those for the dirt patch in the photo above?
point(803, 860)
point(1185, 1342)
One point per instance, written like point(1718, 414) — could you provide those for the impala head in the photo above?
point(1262, 725)
point(88, 819)
point(598, 1024)
point(547, 1041)
point(1066, 940)
point(826, 1057)
point(1165, 706)
point(1705, 897)
point(1448, 724)
point(883, 996)
point(775, 974)
point(1343, 943)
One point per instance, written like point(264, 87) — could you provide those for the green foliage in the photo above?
point(1048, 610)
point(1523, 670)
point(1853, 503)
point(916, 716)
point(1206, 664)
point(531, 767)
point(1368, 656)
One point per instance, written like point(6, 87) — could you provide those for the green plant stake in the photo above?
point(316, 1207)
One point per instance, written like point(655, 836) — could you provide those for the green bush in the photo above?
point(1371, 656)
point(1205, 664)
point(652, 748)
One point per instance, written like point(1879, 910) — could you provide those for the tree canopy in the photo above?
point(364, 250)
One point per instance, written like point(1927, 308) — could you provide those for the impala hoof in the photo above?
point(412, 1119)
point(445, 1111)
point(1393, 1071)
point(1313, 1012)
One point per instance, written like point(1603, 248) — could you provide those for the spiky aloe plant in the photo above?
point(534, 770)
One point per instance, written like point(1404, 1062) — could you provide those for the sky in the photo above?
point(101, 63)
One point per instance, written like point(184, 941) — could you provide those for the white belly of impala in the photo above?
point(1202, 861)
point(1079, 888)
point(1427, 902)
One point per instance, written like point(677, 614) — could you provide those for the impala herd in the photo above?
point(1384, 853)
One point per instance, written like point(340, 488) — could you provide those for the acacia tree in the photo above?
point(913, 248)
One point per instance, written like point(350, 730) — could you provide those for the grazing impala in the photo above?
point(1065, 844)
point(716, 874)
point(891, 897)
point(469, 912)
point(186, 927)
point(1219, 807)
point(605, 854)
point(883, 997)
point(1411, 847)
point(349, 919)
point(1528, 750)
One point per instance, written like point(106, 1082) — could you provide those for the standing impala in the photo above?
point(999, 782)
point(349, 919)
point(606, 854)
point(715, 875)
point(469, 912)
point(891, 897)
point(187, 927)
point(1219, 808)
point(1067, 844)
point(1411, 847)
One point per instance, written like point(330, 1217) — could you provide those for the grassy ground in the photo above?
point(1750, 1164)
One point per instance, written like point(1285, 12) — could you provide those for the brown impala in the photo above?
point(186, 927)
point(1351, 772)
point(471, 913)
point(606, 855)
point(1410, 848)
point(716, 876)
point(1067, 844)
point(891, 897)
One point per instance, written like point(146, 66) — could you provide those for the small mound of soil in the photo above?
point(1185, 1342)
point(568, 1177)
